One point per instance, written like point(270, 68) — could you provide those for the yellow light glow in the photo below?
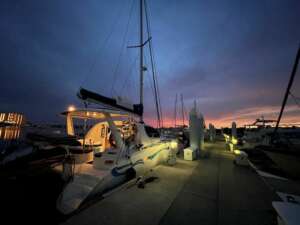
point(71, 108)
point(2, 116)
point(234, 140)
point(237, 152)
point(174, 144)
point(227, 138)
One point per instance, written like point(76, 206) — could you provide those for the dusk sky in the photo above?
point(233, 57)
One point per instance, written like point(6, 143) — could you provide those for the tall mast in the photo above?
point(182, 110)
point(141, 55)
point(175, 111)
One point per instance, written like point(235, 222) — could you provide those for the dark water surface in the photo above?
point(27, 198)
point(31, 199)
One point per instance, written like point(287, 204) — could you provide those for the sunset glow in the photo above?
point(244, 117)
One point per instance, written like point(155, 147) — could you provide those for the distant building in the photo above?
point(12, 118)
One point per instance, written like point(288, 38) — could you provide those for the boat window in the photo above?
point(103, 131)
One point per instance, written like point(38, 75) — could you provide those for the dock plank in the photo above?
point(218, 192)
point(207, 191)
point(139, 206)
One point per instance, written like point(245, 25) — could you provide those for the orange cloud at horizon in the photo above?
point(244, 117)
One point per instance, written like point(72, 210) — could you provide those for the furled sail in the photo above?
point(93, 97)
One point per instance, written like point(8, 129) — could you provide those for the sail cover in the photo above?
point(93, 97)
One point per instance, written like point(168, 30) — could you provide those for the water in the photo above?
point(10, 136)
point(29, 197)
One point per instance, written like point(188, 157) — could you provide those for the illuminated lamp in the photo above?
point(71, 108)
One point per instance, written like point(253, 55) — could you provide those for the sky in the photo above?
point(232, 57)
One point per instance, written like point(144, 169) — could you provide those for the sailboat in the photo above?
point(125, 149)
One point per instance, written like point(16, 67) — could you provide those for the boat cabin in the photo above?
point(96, 132)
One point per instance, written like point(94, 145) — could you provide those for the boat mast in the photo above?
point(182, 109)
point(141, 56)
point(175, 111)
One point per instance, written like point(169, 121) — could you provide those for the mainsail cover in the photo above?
point(96, 98)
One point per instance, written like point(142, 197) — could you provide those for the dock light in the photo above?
point(237, 152)
point(174, 144)
point(71, 108)
point(234, 140)
point(226, 137)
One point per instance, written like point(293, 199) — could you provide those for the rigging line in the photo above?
point(122, 48)
point(102, 47)
point(291, 80)
point(133, 64)
point(134, 81)
point(129, 92)
point(153, 58)
point(152, 89)
point(158, 108)
point(295, 99)
point(158, 91)
point(129, 86)
point(151, 85)
point(155, 95)
point(154, 67)
point(130, 73)
point(294, 96)
point(159, 102)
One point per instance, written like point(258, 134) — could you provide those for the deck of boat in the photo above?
point(211, 190)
